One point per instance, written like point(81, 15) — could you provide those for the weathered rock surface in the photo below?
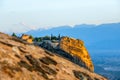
point(22, 61)
point(77, 49)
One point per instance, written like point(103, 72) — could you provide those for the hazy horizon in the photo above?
point(25, 15)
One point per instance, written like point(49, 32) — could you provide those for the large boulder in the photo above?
point(77, 49)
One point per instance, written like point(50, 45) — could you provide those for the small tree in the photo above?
point(59, 37)
point(46, 38)
point(38, 39)
point(54, 38)
point(31, 37)
point(51, 36)
point(14, 35)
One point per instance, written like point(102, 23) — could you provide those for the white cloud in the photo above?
point(28, 26)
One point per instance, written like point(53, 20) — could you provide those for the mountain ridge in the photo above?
point(90, 34)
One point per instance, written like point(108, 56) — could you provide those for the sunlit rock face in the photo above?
point(76, 48)
point(27, 38)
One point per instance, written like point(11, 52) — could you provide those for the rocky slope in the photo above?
point(22, 61)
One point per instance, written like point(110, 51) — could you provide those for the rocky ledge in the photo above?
point(20, 60)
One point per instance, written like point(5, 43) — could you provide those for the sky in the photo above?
point(24, 15)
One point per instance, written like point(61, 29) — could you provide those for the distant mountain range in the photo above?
point(96, 37)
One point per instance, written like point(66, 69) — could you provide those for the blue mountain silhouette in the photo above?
point(97, 37)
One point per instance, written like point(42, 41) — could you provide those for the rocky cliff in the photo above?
point(20, 60)
point(77, 49)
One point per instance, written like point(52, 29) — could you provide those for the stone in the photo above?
point(47, 60)
point(76, 48)
point(81, 75)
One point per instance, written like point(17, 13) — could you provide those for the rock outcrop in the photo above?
point(77, 49)
point(27, 38)
point(20, 60)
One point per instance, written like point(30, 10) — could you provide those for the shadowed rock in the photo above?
point(48, 60)
point(32, 60)
point(49, 53)
point(7, 44)
point(39, 67)
point(22, 49)
point(25, 65)
point(81, 75)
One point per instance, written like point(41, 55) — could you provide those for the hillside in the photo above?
point(20, 60)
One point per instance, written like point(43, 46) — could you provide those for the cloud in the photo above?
point(28, 26)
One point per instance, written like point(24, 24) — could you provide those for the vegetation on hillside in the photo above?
point(39, 39)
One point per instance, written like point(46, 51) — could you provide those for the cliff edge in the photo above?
point(20, 60)
point(77, 49)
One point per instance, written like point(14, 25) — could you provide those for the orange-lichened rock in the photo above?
point(27, 38)
point(30, 40)
point(76, 47)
